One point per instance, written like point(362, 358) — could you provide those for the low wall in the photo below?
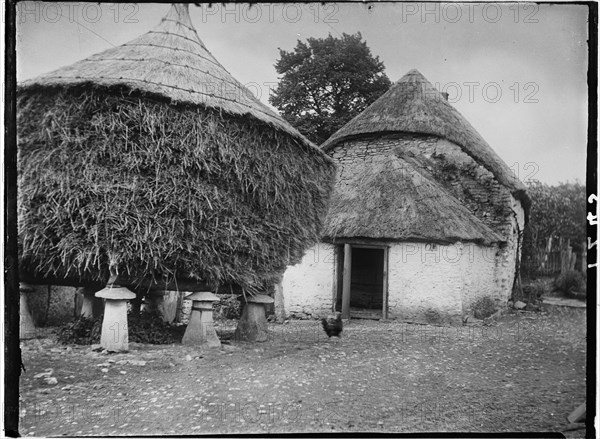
point(52, 305)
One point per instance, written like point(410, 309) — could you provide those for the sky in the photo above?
point(517, 72)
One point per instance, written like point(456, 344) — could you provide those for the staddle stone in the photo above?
point(252, 326)
point(115, 332)
point(200, 330)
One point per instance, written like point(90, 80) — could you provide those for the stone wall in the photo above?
point(503, 270)
point(308, 285)
point(441, 161)
point(52, 305)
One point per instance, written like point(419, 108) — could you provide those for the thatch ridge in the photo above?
point(171, 61)
point(386, 198)
point(413, 105)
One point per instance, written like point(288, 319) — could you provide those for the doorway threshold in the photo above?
point(364, 313)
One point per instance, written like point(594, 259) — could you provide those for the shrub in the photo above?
point(570, 282)
point(229, 307)
point(534, 291)
point(483, 307)
point(146, 327)
point(432, 316)
point(83, 330)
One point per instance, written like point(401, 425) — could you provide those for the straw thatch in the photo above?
point(385, 198)
point(413, 105)
point(125, 162)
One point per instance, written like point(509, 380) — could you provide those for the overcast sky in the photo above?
point(517, 72)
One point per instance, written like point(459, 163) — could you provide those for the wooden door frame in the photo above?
point(347, 276)
point(346, 281)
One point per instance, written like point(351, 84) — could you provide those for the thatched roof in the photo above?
point(385, 198)
point(414, 105)
point(169, 61)
point(126, 164)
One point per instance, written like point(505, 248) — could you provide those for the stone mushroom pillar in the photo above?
point(115, 333)
point(201, 329)
point(26, 326)
point(252, 326)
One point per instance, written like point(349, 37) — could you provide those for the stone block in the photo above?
point(519, 305)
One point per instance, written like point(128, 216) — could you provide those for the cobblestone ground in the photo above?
point(525, 373)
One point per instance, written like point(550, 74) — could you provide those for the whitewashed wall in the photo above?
point(428, 283)
point(308, 285)
point(424, 283)
point(425, 278)
point(480, 271)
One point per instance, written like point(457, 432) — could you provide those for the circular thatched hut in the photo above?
point(425, 219)
point(150, 160)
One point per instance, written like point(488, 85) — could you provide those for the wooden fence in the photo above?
point(556, 257)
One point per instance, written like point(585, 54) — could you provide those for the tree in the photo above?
point(556, 212)
point(325, 82)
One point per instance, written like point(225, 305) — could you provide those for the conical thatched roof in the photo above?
point(169, 61)
point(126, 163)
point(414, 105)
point(386, 198)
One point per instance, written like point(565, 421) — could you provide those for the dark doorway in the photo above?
point(367, 282)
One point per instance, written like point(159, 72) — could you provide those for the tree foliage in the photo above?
point(325, 82)
point(556, 212)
